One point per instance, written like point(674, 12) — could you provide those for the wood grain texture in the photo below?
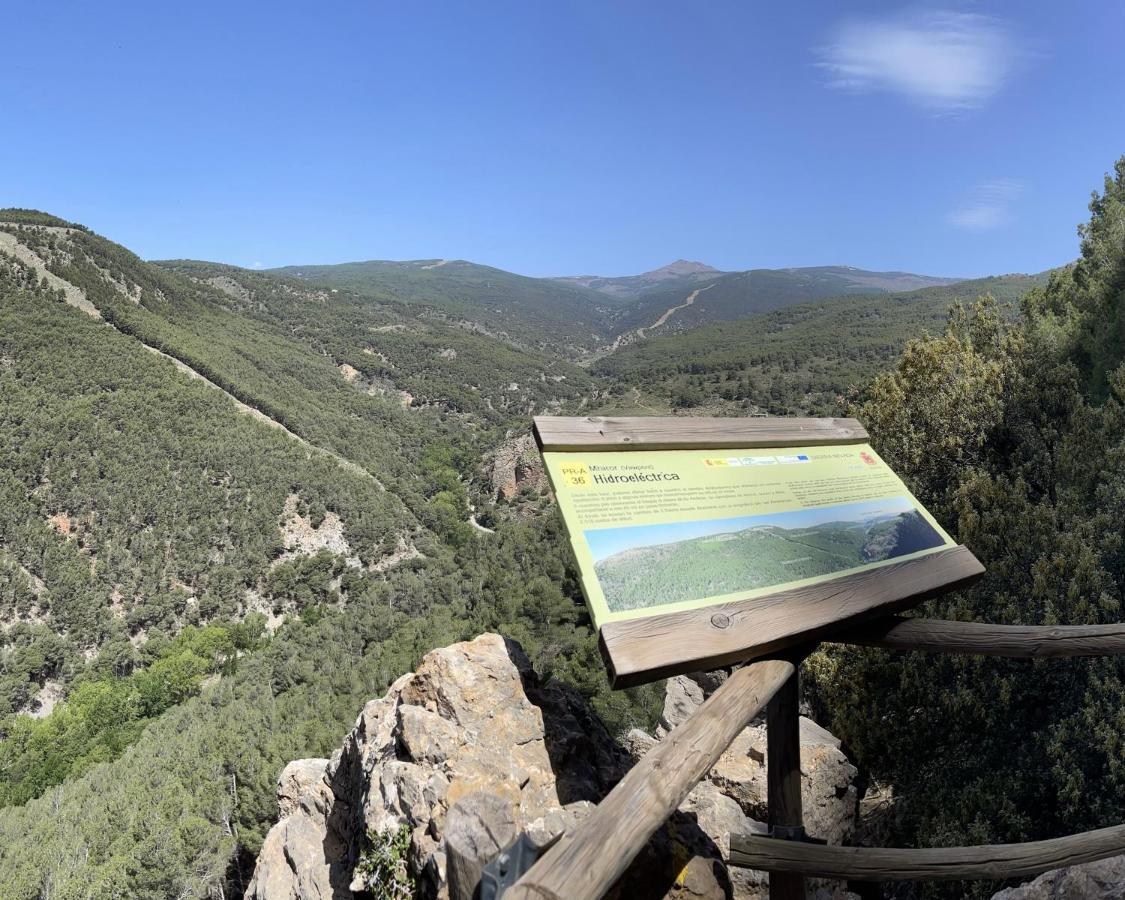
point(983, 639)
point(783, 778)
point(992, 862)
point(641, 650)
point(586, 863)
point(593, 433)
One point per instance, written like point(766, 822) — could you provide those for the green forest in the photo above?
point(211, 474)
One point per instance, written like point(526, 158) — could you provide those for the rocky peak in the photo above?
point(680, 268)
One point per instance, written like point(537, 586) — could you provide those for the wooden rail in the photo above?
point(585, 864)
point(992, 862)
point(982, 639)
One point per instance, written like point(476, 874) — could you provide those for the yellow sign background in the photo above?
point(665, 530)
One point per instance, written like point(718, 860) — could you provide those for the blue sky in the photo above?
point(569, 137)
point(605, 542)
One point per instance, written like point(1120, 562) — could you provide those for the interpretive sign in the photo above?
point(670, 530)
point(739, 544)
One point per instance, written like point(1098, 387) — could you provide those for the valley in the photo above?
point(212, 474)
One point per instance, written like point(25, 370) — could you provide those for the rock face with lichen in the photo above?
point(474, 719)
point(516, 465)
point(1104, 879)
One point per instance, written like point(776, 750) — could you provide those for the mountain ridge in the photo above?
point(585, 315)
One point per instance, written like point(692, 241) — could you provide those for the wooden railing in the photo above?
point(586, 862)
point(982, 639)
point(994, 862)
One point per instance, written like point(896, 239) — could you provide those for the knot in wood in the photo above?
point(720, 620)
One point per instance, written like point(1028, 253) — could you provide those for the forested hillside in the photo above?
point(1014, 436)
point(803, 358)
point(676, 275)
point(579, 316)
point(533, 312)
point(737, 295)
point(236, 504)
point(200, 497)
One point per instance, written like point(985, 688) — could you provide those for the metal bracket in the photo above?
point(511, 865)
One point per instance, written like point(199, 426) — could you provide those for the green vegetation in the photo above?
point(539, 313)
point(103, 715)
point(383, 867)
point(1013, 436)
point(142, 511)
point(802, 359)
point(148, 527)
point(736, 295)
point(133, 500)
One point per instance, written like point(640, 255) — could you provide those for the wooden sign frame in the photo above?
point(665, 644)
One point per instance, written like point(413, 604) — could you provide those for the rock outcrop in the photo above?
point(516, 465)
point(474, 719)
point(1101, 880)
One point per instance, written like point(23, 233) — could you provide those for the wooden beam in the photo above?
point(983, 639)
point(594, 433)
point(991, 862)
point(586, 863)
point(783, 778)
point(641, 650)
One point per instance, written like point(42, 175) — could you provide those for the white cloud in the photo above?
point(256, 265)
point(988, 206)
point(941, 59)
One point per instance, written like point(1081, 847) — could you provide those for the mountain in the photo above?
point(224, 494)
point(678, 273)
point(580, 316)
point(735, 295)
point(803, 357)
point(538, 313)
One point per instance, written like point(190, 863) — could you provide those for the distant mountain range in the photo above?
point(581, 314)
point(679, 273)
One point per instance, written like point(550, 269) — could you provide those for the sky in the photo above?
point(605, 542)
point(569, 137)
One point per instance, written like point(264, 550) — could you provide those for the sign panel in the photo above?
point(661, 531)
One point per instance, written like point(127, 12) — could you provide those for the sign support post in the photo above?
point(783, 781)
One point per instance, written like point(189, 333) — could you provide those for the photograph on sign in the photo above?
point(660, 531)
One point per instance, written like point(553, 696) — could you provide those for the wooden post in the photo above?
point(586, 863)
point(783, 781)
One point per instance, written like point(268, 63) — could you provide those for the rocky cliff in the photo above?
point(515, 466)
point(475, 720)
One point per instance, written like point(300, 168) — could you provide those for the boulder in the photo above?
point(1101, 880)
